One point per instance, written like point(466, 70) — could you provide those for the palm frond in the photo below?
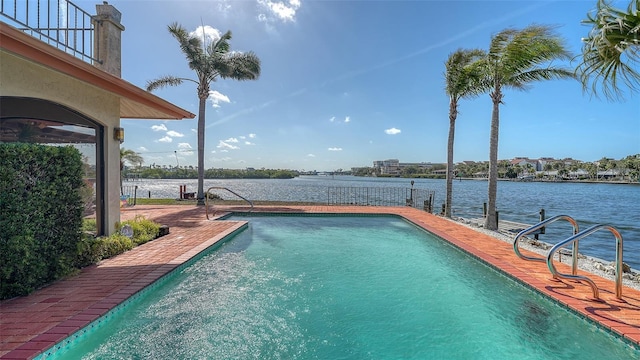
point(130, 156)
point(191, 46)
point(462, 79)
point(611, 52)
point(209, 60)
point(499, 42)
point(163, 82)
point(239, 66)
point(522, 80)
point(521, 57)
point(221, 46)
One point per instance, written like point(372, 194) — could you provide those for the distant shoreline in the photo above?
point(627, 182)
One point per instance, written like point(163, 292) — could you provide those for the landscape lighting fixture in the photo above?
point(118, 134)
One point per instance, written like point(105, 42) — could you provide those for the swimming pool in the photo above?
point(325, 287)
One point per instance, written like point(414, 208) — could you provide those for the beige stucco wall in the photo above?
point(20, 77)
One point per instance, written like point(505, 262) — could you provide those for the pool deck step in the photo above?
point(31, 324)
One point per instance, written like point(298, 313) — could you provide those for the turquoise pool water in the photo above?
point(295, 287)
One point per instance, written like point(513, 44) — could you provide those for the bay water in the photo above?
point(617, 205)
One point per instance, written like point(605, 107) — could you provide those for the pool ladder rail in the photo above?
point(573, 240)
point(206, 197)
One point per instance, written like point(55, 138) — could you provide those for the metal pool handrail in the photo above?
point(206, 197)
point(574, 240)
point(540, 225)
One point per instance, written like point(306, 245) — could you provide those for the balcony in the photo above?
point(59, 23)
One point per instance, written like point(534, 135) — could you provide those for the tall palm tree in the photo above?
point(130, 156)
point(611, 49)
point(515, 59)
point(460, 83)
point(210, 60)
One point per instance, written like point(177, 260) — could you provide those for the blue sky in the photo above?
point(345, 83)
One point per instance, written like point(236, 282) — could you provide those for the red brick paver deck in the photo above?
point(31, 324)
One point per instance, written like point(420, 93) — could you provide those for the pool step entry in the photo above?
point(208, 194)
point(573, 241)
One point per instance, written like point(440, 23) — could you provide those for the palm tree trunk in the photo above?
point(491, 221)
point(453, 114)
point(201, 121)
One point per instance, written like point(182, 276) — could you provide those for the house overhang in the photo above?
point(135, 103)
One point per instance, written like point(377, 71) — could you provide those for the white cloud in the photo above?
point(160, 127)
point(392, 131)
point(166, 139)
point(284, 11)
point(185, 149)
point(311, 155)
point(346, 119)
point(252, 136)
point(142, 148)
point(207, 32)
point(224, 7)
point(335, 149)
point(249, 143)
point(174, 133)
point(226, 146)
point(230, 140)
point(217, 97)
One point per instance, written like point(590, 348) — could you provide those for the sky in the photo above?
point(346, 83)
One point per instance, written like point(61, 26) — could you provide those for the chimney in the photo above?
point(107, 47)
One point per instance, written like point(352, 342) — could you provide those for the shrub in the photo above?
point(25, 271)
point(89, 225)
point(114, 245)
point(41, 209)
point(144, 230)
point(91, 250)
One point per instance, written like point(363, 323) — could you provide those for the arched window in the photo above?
point(45, 122)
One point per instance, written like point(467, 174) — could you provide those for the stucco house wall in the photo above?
point(33, 69)
point(23, 78)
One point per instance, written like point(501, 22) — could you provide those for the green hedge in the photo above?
point(41, 220)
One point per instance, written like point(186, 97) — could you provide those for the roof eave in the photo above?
point(135, 103)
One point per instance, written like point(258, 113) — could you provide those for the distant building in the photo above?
point(387, 167)
point(523, 162)
point(395, 167)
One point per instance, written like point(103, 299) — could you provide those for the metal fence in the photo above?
point(60, 23)
point(381, 196)
point(128, 195)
